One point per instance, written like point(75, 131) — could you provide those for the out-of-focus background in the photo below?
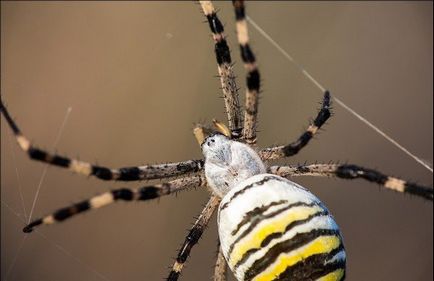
point(138, 75)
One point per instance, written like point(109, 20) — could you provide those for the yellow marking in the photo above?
point(312, 129)
point(221, 128)
point(255, 238)
point(218, 37)
point(48, 220)
point(115, 174)
point(333, 276)
point(48, 158)
point(23, 142)
point(177, 267)
point(207, 7)
point(253, 94)
point(243, 37)
point(101, 200)
point(80, 167)
point(395, 184)
point(199, 134)
point(323, 244)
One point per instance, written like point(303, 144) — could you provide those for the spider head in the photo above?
point(228, 162)
point(215, 144)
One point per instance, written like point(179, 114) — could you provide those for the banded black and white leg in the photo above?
point(146, 172)
point(220, 267)
point(225, 70)
point(193, 237)
point(349, 171)
point(253, 77)
point(121, 194)
point(293, 148)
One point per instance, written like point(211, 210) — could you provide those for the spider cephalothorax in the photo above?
point(228, 162)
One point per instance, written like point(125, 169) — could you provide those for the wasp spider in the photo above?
point(270, 228)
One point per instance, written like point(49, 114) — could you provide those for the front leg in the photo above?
point(293, 148)
point(136, 173)
point(193, 237)
point(225, 69)
point(121, 194)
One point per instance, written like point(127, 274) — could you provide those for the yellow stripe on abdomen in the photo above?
point(321, 245)
point(270, 226)
point(333, 276)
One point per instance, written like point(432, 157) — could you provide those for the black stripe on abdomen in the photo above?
point(292, 244)
point(313, 267)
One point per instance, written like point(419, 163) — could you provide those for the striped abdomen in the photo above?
point(273, 229)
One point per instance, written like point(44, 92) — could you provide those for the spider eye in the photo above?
point(209, 142)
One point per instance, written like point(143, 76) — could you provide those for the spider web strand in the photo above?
point(44, 172)
point(18, 178)
point(15, 258)
point(338, 101)
point(59, 247)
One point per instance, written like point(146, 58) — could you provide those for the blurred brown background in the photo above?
point(138, 75)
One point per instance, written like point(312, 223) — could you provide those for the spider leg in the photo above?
point(253, 77)
point(146, 172)
point(220, 266)
point(193, 237)
point(225, 69)
point(125, 194)
point(293, 148)
point(350, 171)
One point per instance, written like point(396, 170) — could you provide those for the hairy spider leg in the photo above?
point(124, 194)
point(351, 171)
point(293, 148)
point(225, 69)
point(253, 77)
point(136, 173)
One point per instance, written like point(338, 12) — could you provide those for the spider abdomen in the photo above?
point(273, 229)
